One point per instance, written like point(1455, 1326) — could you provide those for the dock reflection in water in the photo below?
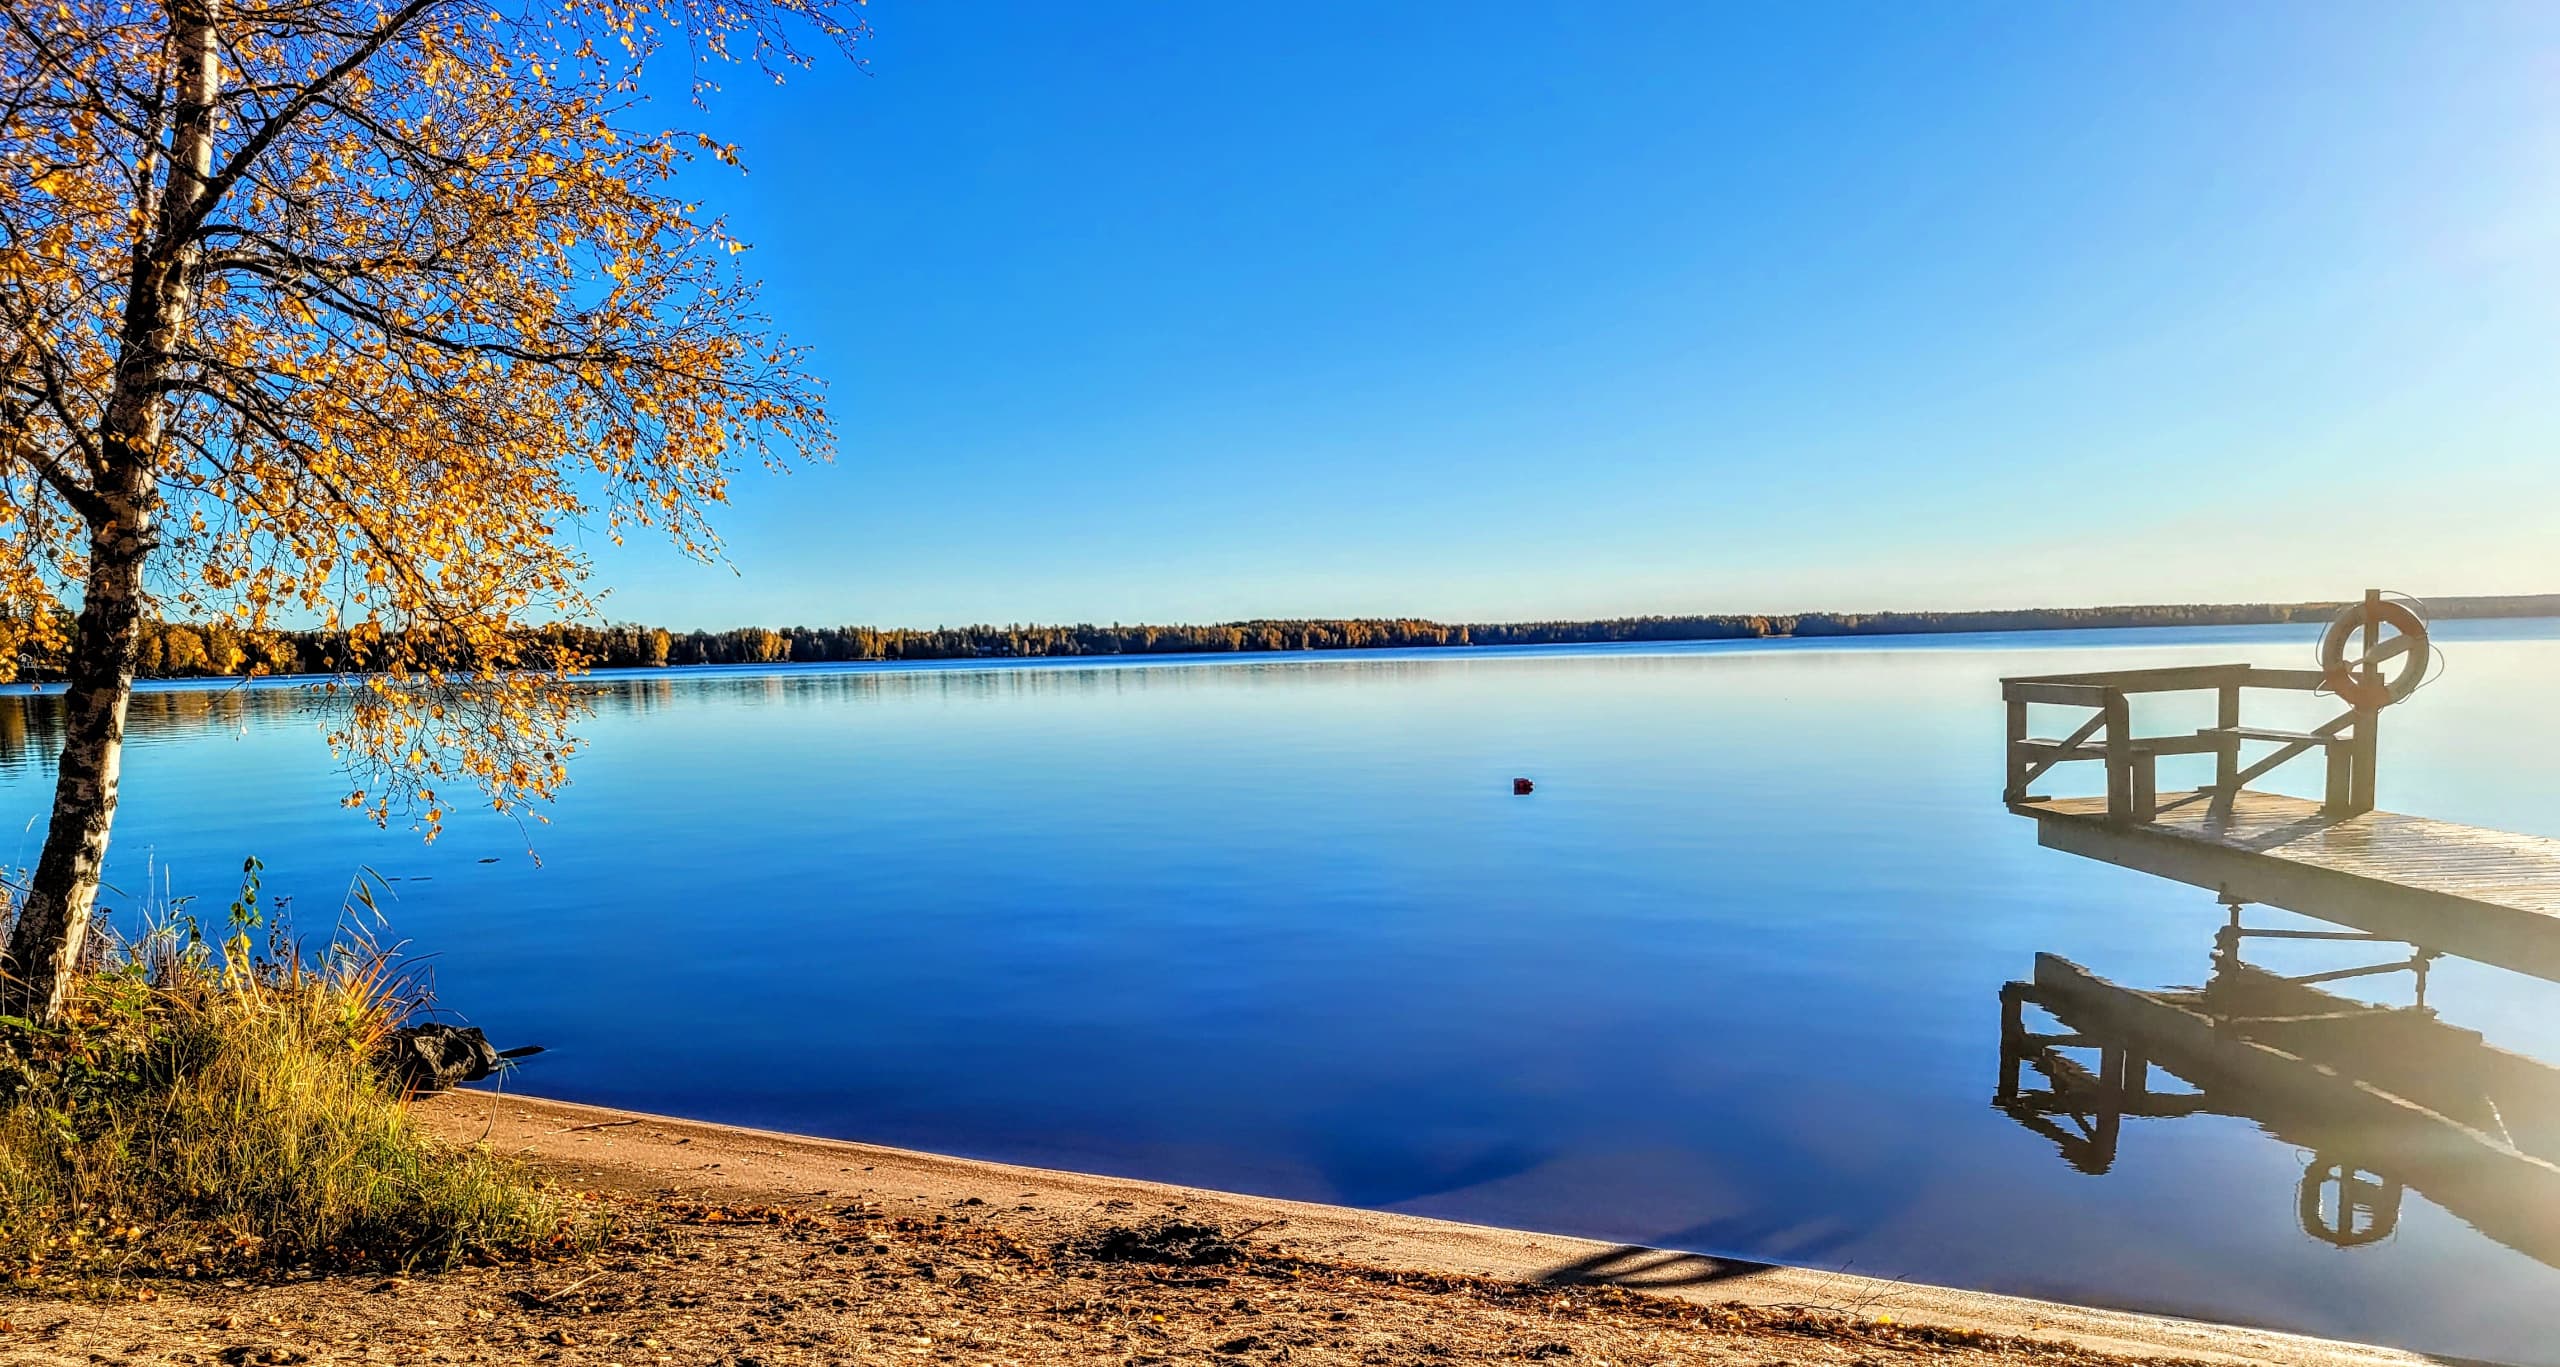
point(2384, 1099)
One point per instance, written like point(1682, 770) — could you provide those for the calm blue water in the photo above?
point(1727, 982)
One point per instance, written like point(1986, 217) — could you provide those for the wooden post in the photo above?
point(2120, 805)
point(2360, 780)
point(2226, 761)
point(2360, 797)
point(2015, 790)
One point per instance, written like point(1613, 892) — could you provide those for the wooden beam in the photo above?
point(2271, 733)
point(2059, 694)
point(2508, 937)
point(2328, 728)
point(2061, 750)
point(2290, 680)
point(2165, 679)
point(2201, 743)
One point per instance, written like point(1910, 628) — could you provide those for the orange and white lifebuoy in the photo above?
point(2398, 679)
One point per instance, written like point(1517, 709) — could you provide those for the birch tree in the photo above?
point(361, 314)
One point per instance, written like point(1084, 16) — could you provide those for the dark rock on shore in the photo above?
point(438, 1058)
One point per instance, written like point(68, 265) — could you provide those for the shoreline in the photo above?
point(24, 684)
point(635, 1155)
point(1946, 638)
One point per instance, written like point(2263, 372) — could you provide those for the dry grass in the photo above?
point(205, 1107)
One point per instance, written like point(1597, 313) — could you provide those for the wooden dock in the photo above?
point(2387, 1098)
point(2491, 896)
point(2487, 895)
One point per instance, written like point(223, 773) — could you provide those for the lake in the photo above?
point(1728, 981)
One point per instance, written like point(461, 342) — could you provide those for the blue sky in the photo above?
point(1488, 311)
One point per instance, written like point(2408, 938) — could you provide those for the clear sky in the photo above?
point(1147, 312)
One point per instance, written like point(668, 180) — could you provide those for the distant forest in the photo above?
point(186, 650)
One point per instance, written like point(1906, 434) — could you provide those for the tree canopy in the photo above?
point(356, 313)
point(445, 309)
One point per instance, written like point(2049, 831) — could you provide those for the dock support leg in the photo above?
point(2111, 1067)
point(2226, 760)
point(2013, 1030)
point(2120, 805)
point(2015, 787)
point(2360, 787)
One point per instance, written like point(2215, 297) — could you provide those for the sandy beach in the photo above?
point(752, 1249)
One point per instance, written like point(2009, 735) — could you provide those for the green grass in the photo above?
point(200, 1109)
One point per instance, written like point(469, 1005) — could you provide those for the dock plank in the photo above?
point(2481, 894)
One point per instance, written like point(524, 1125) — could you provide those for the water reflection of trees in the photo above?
point(828, 687)
point(31, 723)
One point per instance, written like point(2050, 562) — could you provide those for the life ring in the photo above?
point(2398, 679)
point(2368, 1204)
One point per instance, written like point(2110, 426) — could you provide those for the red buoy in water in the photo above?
point(1521, 787)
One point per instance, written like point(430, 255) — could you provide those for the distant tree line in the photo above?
point(219, 648)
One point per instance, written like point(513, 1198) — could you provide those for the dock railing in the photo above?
point(2132, 761)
